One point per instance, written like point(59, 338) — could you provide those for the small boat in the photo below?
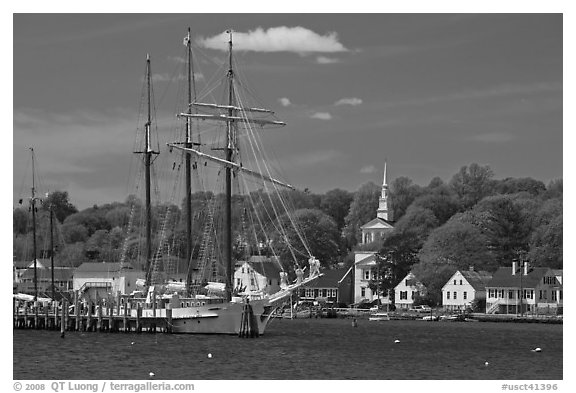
point(379, 316)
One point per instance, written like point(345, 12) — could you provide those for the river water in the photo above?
point(302, 349)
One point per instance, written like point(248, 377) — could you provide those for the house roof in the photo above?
point(60, 274)
point(40, 263)
point(99, 267)
point(329, 279)
point(503, 278)
point(477, 280)
point(377, 223)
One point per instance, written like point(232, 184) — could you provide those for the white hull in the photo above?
point(224, 318)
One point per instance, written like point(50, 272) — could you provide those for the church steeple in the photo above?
point(383, 202)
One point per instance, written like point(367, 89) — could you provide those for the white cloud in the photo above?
point(321, 116)
point(165, 77)
point(277, 39)
point(368, 169)
point(284, 101)
point(326, 60)
point(349, 101)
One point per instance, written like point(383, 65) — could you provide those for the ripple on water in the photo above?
point(301, 349)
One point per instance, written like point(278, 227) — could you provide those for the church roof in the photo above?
point(378, 223)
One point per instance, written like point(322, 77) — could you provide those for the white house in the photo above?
point(257, 276)
point(525, 289)
point(105, 278)
point(463, 288)
point(406, 290)
point(365, 267)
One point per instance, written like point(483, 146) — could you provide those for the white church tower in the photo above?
point(365, 266)
point(383, 202)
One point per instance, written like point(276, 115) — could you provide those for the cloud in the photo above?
point(493, 137)
point(321, 116)
point(368, 169)
point(164, 77)
point(326, 60)
point(276, 39)
point(284, 101)
point(349, 101)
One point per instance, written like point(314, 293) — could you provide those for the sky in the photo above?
point(427, 93)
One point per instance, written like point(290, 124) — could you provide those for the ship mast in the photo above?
point(229, 150)
point(189, 144)
point(33, 207)
point(147, 164)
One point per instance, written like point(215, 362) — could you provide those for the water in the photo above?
point(301, 349)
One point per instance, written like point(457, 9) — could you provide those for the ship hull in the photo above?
point(224, 318)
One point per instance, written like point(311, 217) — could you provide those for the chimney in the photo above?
point(526, 268)
point(513, 268)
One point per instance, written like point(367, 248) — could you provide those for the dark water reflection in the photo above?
point(301, 349)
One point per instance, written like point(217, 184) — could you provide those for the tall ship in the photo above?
point(209, 301)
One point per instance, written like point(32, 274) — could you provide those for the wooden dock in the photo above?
point(100, 317)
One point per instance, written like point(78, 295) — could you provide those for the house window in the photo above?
point(362, 292)
point(334, 293)
point(454, 282)
point(546, 294)
point(460, 282)
point(269, 282)
point(373, 275)
point(465, 295)
point(501, 293)
point(413, 294)
point(242, 270)
point(447, 294)
point(491, 292)
point(309, 292)
point(455, 295)
point(554, 296)
point(252, 282)
point(540, 295)
point(510, 294)
point(367, 274)
point(238, 282)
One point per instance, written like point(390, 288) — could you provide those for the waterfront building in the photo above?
point(406, 290)
point(334, 286)
point(365, 266)
point(62, 280)
point(258, 274)
point(525, 289)
point(103, 279)
point(463, 288)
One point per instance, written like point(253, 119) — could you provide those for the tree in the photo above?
point(472, 183)
point(336, 203)
point(441, 200)
point(20, 221)
point(515, 185)
point(417, 220)
point(60, 204)
point(457, 243)
point(402, 194)
point(504, 223)
point(362, 209)
point(317, 229)
point(555, 189)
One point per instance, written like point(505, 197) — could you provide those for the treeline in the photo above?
point(473, 220)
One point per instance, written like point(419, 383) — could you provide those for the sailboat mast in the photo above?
point(33, 207)
point(188, 144)
point(147, 161)
point(52, 250)
point(229, 151)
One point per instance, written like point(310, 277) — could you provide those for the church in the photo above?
point(365, 267)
